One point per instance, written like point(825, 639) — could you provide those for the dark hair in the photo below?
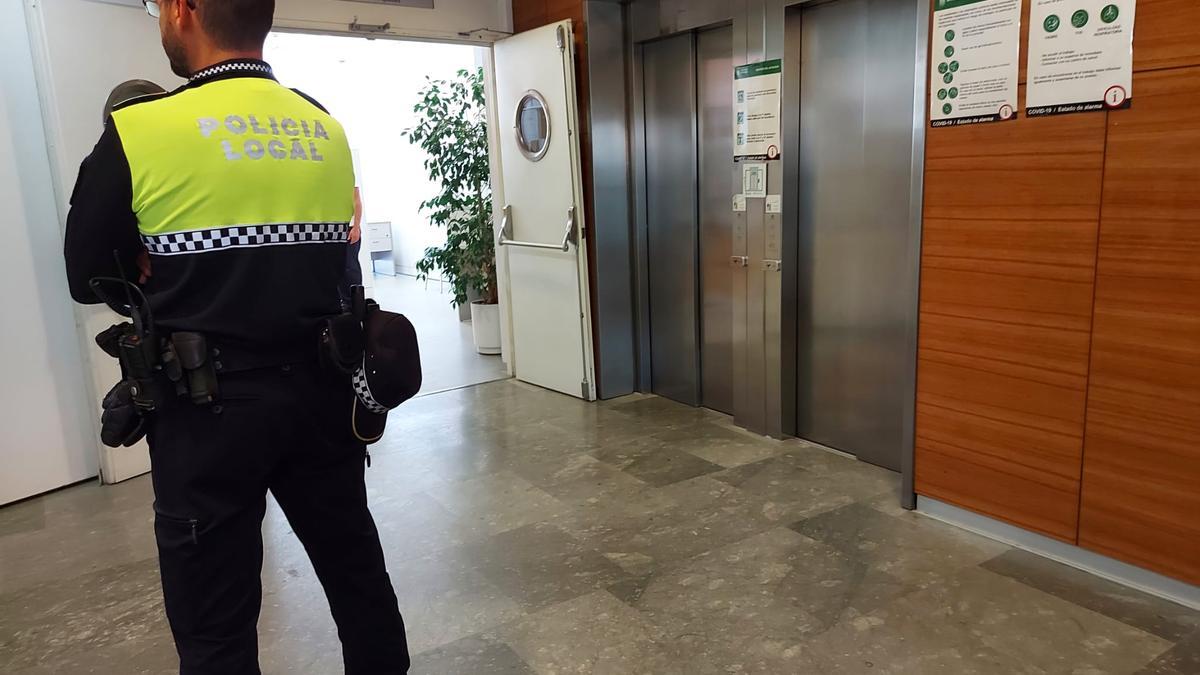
point(236, 24)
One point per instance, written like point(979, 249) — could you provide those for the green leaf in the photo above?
point(452, 130)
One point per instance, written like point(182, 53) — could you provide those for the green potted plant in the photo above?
point(452, 130)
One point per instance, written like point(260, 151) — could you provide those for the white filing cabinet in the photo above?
point(378, 238)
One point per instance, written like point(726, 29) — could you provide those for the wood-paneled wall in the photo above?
point(1141, 468)
point(1059, 357)
point(1006, 302)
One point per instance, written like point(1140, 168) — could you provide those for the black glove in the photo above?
point(121, 423)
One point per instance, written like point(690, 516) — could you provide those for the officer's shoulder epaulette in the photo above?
point(311, 100)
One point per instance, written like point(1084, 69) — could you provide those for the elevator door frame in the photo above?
point(759, 34)
point(791, 51)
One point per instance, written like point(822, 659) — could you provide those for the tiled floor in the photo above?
point(531, 533)
point(448, 356)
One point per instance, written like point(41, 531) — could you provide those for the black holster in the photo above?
point(341, 337)
point(154, 373)
point(196, 365)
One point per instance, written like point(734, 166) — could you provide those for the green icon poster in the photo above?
point(1080, 62)
point(988, 33)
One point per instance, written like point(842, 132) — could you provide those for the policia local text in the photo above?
point(255, 148)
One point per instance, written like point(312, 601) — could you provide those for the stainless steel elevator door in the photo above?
point(856, 132)
point(714, 95)
point(670, 113)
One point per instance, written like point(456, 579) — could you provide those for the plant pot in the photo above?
point(485, 326)
point(464, 311)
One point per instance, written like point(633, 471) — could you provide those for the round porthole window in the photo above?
point(533, 126)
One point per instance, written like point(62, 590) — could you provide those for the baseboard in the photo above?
point(1102, 566)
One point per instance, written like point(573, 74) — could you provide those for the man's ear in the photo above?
point(183, 14)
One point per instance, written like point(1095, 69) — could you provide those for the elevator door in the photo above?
point(688, 92)
point(670, 102)
point(855, 281)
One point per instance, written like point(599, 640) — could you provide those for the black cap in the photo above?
point(390, 373)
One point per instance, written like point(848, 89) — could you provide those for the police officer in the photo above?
point(233, 196)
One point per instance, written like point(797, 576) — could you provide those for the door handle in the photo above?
point(506, 232)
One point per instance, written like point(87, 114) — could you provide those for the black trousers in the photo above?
point(287, 430)
point(353, 275)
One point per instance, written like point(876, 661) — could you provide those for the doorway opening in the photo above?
point(373, 87)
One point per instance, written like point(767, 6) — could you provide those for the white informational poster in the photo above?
point(1080, 56)
point(974, 63)
point(756, 128)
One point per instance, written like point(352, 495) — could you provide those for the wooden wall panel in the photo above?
point(1141, 481)
point(1054, 396)
point(1166, 34)
point(528, 14)
point(1007, 271)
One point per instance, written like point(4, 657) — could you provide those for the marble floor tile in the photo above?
point(416, 525)
point(596, 491)
point(1153, 615)
point(655, 460)
point(721, 443)
point(529, 532)
point(806, 481)
point(707, 514)
point(541, 565)
point(980, 622)
point(665, 413)
point(594, 634)
point(78, 541)
point(499, 502)
point(1182, 659)
point(909, 547)
point(92, 622)
point(473, 654)
point(448, 596)
point(752, 605)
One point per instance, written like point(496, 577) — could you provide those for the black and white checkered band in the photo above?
point(246, 236)
point(363, 390)
point(232, 67)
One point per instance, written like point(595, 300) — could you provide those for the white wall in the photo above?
point(371, 87)
point(446, 21)
point(46, 431)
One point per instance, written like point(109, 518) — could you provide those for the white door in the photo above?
point(82, 49)
point(541, 232)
